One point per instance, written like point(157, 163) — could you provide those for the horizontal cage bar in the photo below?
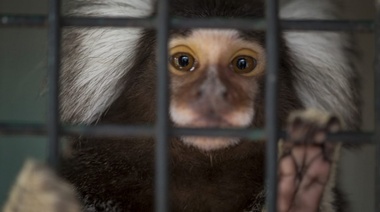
point(257, 24)
point(102, 131)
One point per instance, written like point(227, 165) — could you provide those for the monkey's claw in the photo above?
point(306, 161)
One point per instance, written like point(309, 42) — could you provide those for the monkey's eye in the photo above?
point(182, 61)
point(243, 64)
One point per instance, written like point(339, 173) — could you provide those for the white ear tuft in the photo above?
point(327, 74)
point(96, 59)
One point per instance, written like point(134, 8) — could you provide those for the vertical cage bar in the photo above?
point(272, 43)
point(377, 105)
point(162, 128)
point(53, 77)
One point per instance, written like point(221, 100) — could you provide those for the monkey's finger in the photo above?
point(312, 186)
point(288, 183)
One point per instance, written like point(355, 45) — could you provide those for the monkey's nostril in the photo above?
point(198, 94)
point(225, 94)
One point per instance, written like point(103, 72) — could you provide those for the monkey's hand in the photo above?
point(39, 189)
point(307, 162)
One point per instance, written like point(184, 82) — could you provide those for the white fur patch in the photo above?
point(325, 65)
point(105, 56)
point(183, 116)
point(209, 143)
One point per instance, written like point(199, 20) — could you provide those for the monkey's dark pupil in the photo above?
point(242, 64)
point(183, 61)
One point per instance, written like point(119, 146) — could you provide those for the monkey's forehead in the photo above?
point(257, 37)
point(215, 45)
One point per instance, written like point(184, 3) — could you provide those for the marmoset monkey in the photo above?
point(216, 80)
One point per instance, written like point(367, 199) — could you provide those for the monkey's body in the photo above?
point(118, 174)
point(198, 181)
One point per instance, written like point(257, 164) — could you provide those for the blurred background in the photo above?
point(22, 77)
point(22, 72)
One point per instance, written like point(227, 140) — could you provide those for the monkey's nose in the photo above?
point(212, 88)
point(209, 95)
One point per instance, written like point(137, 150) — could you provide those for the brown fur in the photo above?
point(199, 182)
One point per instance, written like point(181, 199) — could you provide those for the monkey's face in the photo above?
point(214, 81)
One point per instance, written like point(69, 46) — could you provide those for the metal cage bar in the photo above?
point(162, 128)
point(271, 93)
point(377, 107)
point(53, 81)
point(259, 24)
point(106, 131)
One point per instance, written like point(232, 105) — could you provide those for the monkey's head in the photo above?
point(215, 79)
point(217, 75)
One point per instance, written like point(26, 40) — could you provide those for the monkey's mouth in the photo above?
point(188, 117)
point(211, 121)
